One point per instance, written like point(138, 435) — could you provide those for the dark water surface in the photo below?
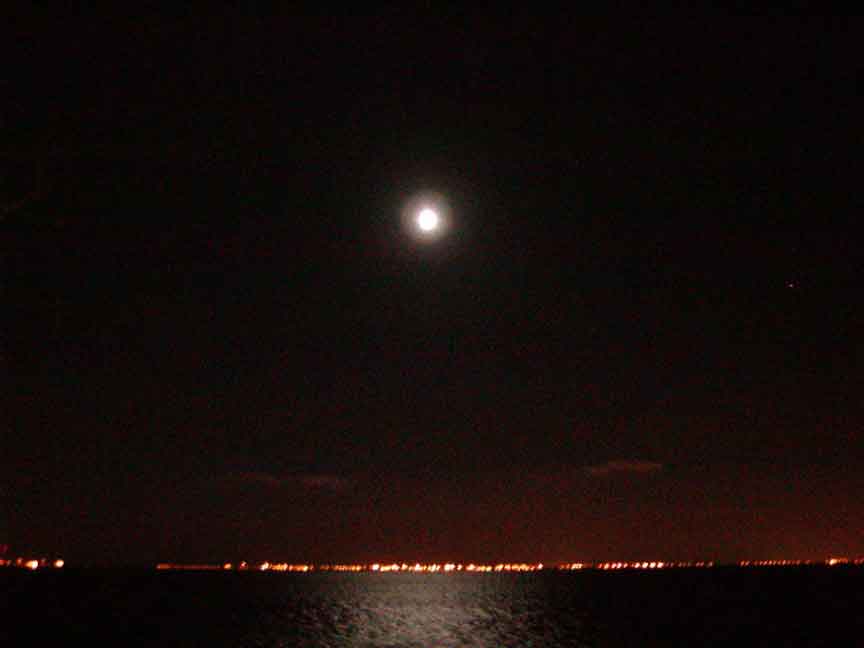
point(719, 607)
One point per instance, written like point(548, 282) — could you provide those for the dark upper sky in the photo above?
point(639, 339)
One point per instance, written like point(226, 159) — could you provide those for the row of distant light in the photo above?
point(606, 566)
point(450, 567)
point(32, 563)
point(396, 567)
point(782, 563)
point(481, 568)
point(831, 562)
point(744, 563)
point(375, 567)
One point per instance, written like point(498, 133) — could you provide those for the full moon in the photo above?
point(427, 220)
point(426, 217)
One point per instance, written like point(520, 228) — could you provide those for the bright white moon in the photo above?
point(427, 220)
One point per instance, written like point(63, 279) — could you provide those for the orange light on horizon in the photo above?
point(452, 567)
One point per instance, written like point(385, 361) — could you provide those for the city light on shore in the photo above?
point(33, 563)
point(482, 568)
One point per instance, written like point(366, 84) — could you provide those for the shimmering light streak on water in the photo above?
point(777, 606)
point(414, 611)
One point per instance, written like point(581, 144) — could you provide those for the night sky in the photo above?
point(639, 338)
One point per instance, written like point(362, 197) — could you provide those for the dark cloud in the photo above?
point(333, 483)
point(263, 478)
point(624, 466)
point(306, 482)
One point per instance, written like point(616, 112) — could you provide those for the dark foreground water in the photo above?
point(719, 607)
